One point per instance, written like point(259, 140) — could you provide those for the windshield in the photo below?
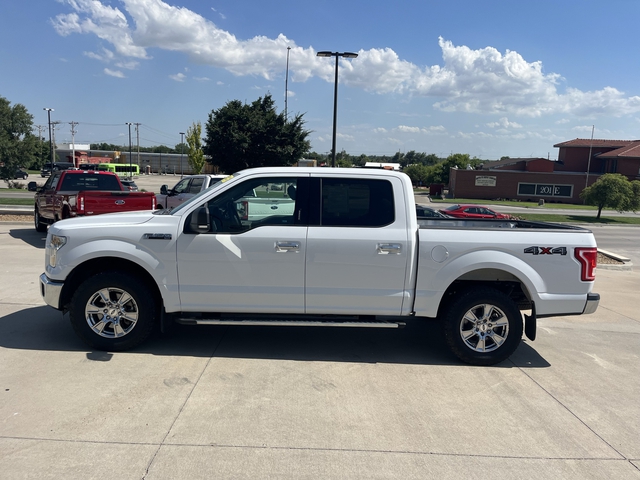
point(195, 198)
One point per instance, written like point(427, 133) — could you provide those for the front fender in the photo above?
point(159, 263)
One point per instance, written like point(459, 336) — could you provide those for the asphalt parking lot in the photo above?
point(259, 402)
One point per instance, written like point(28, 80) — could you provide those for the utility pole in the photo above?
point(40, 127)
point(130, 167)
point(73, 141)
point(586, 182)
point(181, 151)
point(286, 87)
point(49, 110)
point(138, 140)
point(53, 129)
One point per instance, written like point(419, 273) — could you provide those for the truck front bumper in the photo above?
point(51, 291)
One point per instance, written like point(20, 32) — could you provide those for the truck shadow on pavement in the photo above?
point(29, 236)
point(421, 342)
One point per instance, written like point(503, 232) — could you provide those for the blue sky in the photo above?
point(490, 78)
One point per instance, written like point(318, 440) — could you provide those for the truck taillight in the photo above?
point(153, 203)
point(80, 204)
point(588, 258)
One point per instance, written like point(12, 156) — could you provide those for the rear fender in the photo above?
point(433, 282)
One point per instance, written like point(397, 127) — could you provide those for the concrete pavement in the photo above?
point(258, 402)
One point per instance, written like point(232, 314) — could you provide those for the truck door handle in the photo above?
point(283, 247)
point(389, 248)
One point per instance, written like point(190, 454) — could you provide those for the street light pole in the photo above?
point(181, 151)
point(49, 110)
point(335, 96)
point(130, 166)
point(286, 86)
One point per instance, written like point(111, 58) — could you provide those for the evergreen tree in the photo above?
point(242, 136)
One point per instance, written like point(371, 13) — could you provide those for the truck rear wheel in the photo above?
point(113, 311)
point(483, 326)
point(38, 221)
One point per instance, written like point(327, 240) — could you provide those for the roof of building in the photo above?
point(598, 143)
point(509, 161)
point(629, 151)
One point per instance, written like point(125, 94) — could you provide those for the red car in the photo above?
point(473, 211)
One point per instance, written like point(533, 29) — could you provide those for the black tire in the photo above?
point(38, 221)
point(483, 326)
point(104, 321)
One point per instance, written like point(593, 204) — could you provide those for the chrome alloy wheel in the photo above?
point(484, 328)
point(111, 312)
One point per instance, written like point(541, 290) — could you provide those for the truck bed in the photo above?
point(435, 222)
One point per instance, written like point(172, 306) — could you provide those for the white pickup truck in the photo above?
point(185, 189)
point(350, 253)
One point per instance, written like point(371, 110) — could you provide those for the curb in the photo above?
point(16, 210)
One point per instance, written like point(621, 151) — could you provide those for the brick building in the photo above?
point(580, 163)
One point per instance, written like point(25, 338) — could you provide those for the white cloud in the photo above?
point(585, 129)
point(504, 123)
point(222, 15)
point(344, 136)
point(114, 73)
point(436, 129)
point(129, 65)
point(477, 81)
point(105, 56)
point(106, 22)
point(178, 77)
point(407, 129)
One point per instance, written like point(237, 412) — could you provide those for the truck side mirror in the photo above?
point(32, 186)
point(199, 221)
point(164, 190)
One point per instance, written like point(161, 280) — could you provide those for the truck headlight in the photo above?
point(56, 242)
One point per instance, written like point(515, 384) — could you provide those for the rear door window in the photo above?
point(357, 202)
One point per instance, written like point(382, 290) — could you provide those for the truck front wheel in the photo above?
point(113, 311)
point(483, 326)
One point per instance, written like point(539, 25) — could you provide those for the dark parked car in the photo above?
point(473, 211)
point(423, 212)
point(20, 174)
point(130, 184)
point(45, 171)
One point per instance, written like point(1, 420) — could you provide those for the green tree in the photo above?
point(194, 140)
point(42, 155)
point(440, 172)
point(108, 147)
point(18, 145)
point(613, 190)
point(162, 149)
point(419, 174)
point(398, 158)
point(242, 136)
point(344, 160)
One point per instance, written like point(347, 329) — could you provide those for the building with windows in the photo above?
point(580, 163)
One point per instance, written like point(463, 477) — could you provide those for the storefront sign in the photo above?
point(485, 181)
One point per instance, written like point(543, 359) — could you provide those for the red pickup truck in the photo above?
point(74, 193)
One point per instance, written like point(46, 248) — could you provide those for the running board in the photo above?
point(290, 323)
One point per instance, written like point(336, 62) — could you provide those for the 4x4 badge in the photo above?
point(546, 250)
